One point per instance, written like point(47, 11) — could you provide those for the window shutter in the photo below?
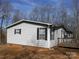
point(37, 33)
point(51, 34)
point(19, 31)
point(15, 31)
point(45, 33)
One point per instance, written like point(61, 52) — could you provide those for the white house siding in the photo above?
point(15, 38)
point(28, 35)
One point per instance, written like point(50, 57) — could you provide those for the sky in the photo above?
point(26, 6)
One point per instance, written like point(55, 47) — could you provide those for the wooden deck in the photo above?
point(69, 44)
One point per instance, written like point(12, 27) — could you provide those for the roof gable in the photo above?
point(55, 27)
point(30, 22)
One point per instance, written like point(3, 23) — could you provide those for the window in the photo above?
point(41, 33)
point(52, 33)
point(65, 36)
point(17, 31)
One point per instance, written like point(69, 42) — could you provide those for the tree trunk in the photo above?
point(1, 41)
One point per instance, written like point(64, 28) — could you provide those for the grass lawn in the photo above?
point(10, 51)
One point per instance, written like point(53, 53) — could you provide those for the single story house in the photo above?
point(34, 33)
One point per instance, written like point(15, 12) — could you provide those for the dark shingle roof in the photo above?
point(42, 24)
point(64, 27)
point(29, 21)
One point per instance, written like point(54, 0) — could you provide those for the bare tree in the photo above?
point(18, 16)
point(42, 13)
point(34, 15)
point(5, 8)
point(76, 19)
point(63, 13)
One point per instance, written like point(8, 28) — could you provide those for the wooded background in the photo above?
point(49, 13)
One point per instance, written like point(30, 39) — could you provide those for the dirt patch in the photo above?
point(10, 51)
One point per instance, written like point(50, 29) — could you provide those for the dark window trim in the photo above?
point(15, 31)
point(53, 34)
point(38, 33)
point(61, 34)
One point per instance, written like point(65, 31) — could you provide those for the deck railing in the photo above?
point(68, 43)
